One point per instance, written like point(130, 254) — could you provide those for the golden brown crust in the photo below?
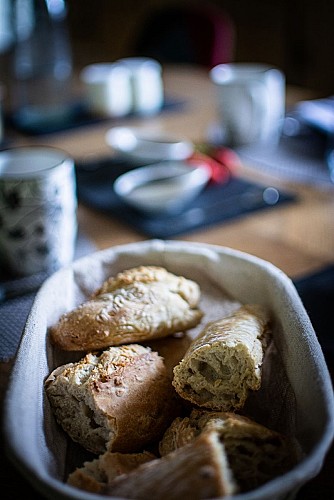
point(197, 470)
point(137, 304)
point(90, 477)
point(119, 400)
point(95, 475)
point(224, 362)
point(255, 453)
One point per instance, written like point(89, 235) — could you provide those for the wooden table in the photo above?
point(297, 237)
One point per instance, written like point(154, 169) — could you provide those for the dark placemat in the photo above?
point(300, 158)
point(16, 298)
point(217, 203)
point(317, 293)
point(78, 116)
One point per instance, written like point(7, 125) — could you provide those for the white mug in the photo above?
point(107, 89)
point(146, 84)
point(250, 102)
point(38, 224)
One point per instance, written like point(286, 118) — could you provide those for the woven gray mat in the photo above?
point(294, 159)
point(14, 311)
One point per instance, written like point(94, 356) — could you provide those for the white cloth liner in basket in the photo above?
point(297, 394)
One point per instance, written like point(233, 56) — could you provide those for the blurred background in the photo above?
point(295, 35)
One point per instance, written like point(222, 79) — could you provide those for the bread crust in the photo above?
point(118, 400)
point(94, 476)
point(198, 470)
point(137, 304)
point(224, 362)
point(256, 454)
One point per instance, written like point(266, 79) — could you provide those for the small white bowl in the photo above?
point(147, 146)
point(164, 187)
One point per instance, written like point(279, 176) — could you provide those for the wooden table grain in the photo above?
point(296, 237)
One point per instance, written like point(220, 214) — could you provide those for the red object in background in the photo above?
point(222, 162)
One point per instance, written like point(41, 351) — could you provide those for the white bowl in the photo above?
point(166, 186)
point(148, 146)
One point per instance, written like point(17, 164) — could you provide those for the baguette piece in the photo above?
point(255, 453)
point(95, 475)
point(224, 362)
point(198, 470)
point(137, 304)
point(119, 400)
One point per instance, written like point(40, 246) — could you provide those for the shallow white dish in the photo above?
point(164, 187)
point(296, 396)
point(145, 146)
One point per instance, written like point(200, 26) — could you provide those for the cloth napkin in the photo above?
point(295, 384)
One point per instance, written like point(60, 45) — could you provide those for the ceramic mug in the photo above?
point(107, 89)
point(38, 224)
point(250, 102)
point(146, 84)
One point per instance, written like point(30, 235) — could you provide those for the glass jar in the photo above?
point(41, 62)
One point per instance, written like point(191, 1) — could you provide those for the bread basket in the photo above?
point(298, 397)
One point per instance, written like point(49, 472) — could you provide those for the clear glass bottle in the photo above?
point(42, 62)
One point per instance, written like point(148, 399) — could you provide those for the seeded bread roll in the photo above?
point(198, 470)
point(255, 453)
point(224, 362)
point(119, 400)
point(95, 475)
point(138, 304)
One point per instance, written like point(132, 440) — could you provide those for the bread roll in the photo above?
point(198, 470)
point(224, 361)
point(95, 475)
point(119, 400)
point(255, 453)
point(138, 304)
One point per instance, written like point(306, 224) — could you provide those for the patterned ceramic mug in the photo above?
point(38, 224)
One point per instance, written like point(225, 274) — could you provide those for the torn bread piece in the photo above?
point(95, 475)
point(118, 400)
point(255, 453)
point(198, 470)
point(137, 304)
point(224, 362)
